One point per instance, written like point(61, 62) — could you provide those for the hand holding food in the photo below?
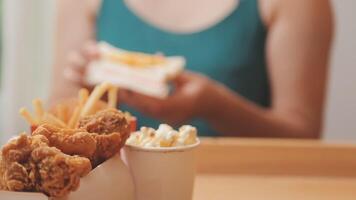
point(191, 98)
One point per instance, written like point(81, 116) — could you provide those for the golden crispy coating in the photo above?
point(106, 147)
point(58, 173)
point(16, 177)
point(105, 122)
point(69, 141)
point(15, 162)
point(28, 164)
point(110, 129)
point(2, 172)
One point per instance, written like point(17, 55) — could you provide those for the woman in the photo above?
point(260, 66)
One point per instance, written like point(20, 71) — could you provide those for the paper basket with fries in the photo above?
point(110, 178)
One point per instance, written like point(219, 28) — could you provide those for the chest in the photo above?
point(234, 43)
point(183, 16)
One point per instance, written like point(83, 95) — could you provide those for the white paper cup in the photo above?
point(162, 173)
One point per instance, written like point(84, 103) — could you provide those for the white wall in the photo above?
point(27, 46)
point(340, 122)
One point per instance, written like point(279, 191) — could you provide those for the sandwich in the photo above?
point(148, 74)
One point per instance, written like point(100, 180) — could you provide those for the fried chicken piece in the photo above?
point(105, 122)
point(106, 147)
point(110, 129)
point(2, 172)
point(29, 164)
point(58, 173)
point(98, 137)
point(15, 168)
point(69, 141)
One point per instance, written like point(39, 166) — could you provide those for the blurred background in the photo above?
point(27, 35)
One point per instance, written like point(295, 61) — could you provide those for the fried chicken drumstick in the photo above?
point(29, 164)
point(110, 130)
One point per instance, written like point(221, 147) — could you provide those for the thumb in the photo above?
point(91, 50)
point(183, 78)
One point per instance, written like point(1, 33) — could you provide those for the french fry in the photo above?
point(38, 105)
point(27, 116)
point(83, 96)
point(51, 119)
point(94, 97)
point(62, 112)
point(75, 117)
point(112, 97)
point(63, 118)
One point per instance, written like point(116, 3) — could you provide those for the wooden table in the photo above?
point(230, 168)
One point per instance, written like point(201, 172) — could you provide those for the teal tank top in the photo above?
point(231, 52)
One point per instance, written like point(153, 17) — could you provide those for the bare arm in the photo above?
point(75, 27)
point(298, 46)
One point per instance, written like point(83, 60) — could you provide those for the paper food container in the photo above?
point(151, 80)
point(162, 173)
point(110, 181)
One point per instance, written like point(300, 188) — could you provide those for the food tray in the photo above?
point(232, 168)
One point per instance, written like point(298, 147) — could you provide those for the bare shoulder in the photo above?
point(87, 7)
point(272, 10)
point(94, 5)
point(267, 10)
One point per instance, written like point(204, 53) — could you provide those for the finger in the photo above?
point(73, 76)
point(183, 78)
point(76, 78)
point(91, 51)
point(77, 62)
